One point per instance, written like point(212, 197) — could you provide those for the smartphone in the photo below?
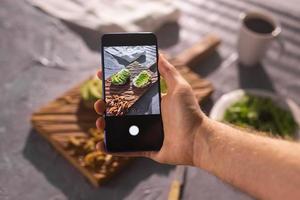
point(131, 91)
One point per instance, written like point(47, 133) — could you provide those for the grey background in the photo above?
point(41, 57)
point(149, 102)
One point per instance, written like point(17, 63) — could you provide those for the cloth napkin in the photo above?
point(112, 15)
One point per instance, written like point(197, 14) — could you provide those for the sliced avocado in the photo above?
point(91, 90)
point(121, 77)
point(96, 92)
point(95, 89)
point(143, 79)
point(84, 91)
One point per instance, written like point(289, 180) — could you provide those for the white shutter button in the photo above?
point(134, 130)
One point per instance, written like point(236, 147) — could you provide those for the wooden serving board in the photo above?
point(188, 59)
point(130, 93)
point(66, 116)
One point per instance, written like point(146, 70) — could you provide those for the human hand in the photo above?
point(181, 115)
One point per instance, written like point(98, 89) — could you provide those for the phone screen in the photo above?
point(132, 95)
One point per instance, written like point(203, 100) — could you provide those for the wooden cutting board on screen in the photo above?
point(66, 117)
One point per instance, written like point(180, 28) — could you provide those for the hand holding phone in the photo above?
point(181, 115)
point(131, 91)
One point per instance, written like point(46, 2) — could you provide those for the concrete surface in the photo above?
point(41, 57)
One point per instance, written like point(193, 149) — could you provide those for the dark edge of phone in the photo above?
point(139, 40)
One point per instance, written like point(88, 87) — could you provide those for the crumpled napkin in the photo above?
point(127, 53)
point(112, 15)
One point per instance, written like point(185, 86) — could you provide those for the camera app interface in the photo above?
point(131, 80)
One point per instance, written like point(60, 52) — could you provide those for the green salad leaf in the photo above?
point(121, 77)
point(163, 85)
point(261, 114)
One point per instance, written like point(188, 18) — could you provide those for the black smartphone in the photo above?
point(131, 90)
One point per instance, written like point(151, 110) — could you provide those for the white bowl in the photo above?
point(228, 99)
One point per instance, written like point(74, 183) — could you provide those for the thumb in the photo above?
point(168, 72)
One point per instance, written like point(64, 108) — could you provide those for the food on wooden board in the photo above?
point(84, 148)
point(117, 105)
point(81, 145)
point(91, 91)
point(94, 160)
point(121, 77)
point(119, 162)
point(76, 145)
point(142, 80)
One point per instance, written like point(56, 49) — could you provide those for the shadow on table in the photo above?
point(254, 77)
point(167, 35)
point(62, 175)
point(141, 59)
point(204, 68)
point(145, 103)
point(207, 104)
point(208, 64)
point(91, 37)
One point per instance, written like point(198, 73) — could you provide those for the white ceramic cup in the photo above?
point(252, 46)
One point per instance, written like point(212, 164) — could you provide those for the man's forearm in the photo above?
point(264, 167)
